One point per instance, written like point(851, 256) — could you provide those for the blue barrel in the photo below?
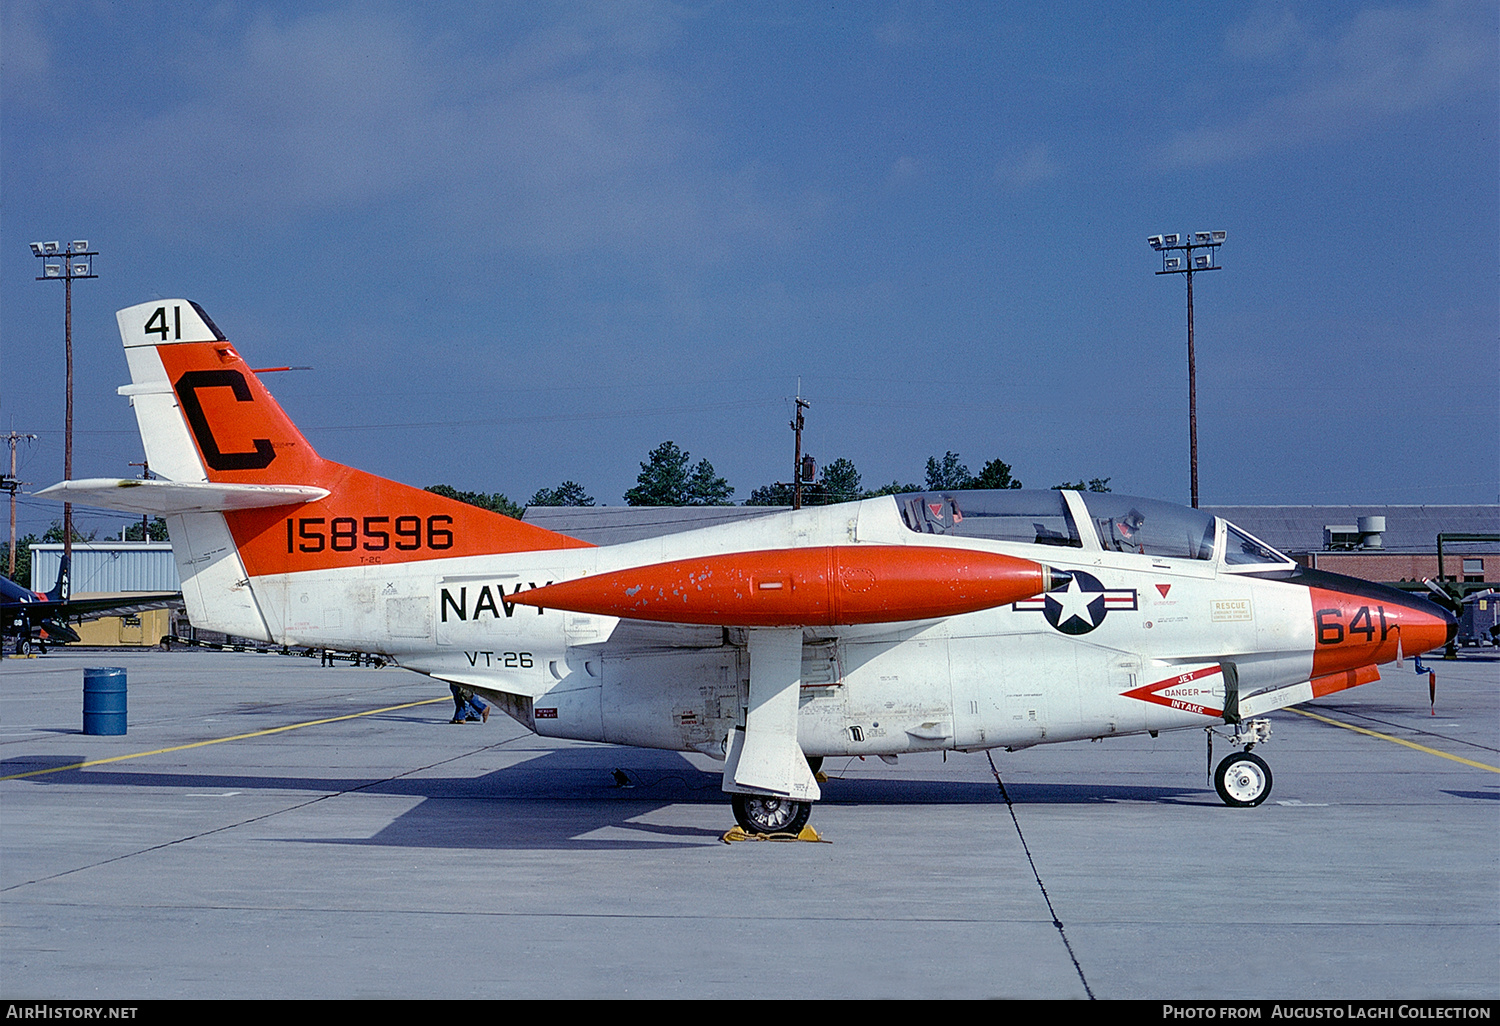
point(104, 700)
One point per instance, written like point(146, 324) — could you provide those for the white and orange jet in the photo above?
point(963, 620)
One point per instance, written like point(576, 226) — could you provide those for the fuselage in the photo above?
point(1149, 634)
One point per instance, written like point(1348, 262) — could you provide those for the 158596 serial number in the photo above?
point(369, 534)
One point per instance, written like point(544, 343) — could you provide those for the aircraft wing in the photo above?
point(91, 609)
point(19, 616)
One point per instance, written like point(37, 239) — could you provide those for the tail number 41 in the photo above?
point(158, 326)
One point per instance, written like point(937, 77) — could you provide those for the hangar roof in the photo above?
point(1407, 528)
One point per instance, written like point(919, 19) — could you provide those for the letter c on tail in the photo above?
point(187, 394)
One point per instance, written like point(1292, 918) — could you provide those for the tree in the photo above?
point(894, 488)
point(996, 474)
point(496, 503)
point(22, 575)
point(665, 480)
point(569, 493)
point(771, 495)
point(840, 481)
point(705, 488)
point(157, 529)
point(949, 475)
point(55, 533)
point(1094, 484)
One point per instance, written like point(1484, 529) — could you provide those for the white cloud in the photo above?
point(903, 169)
point(28, 52)
point(1268, 33)
point(1381, 64)
point(568, 138)
point(1023, 168)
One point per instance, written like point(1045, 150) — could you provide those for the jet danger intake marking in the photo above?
point(1081, 606)
point(1189, 691)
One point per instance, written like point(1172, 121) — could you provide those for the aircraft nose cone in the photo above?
point(1357, 623)
point(1426, 625)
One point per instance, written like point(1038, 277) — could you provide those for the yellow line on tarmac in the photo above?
point(221, 740)
point(1396, 740)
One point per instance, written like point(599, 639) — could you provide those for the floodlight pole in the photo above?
point(1189, 264)
point(1192, 394)
point(77, 262)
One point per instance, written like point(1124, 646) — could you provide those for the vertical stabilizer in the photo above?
point(60, 590)
point(205, 416)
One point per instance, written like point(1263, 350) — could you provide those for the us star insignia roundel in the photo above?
point(1081, 606)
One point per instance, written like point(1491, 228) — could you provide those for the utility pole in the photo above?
point(1190, 263)
point(802, 404)
point(76, 262)
point(145, 466)
point(10, 484)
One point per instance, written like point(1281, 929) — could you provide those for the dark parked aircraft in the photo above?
point(26, 614)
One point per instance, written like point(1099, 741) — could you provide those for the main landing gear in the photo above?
point(771, 783)
point(768, 814)
point(765, 814)
point(1243, 780)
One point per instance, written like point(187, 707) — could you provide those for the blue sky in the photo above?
point(526, 242)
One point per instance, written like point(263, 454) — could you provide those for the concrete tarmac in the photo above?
point(270, 828)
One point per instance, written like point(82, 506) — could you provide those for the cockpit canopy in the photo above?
point(1034, 517)
point(1122, 523)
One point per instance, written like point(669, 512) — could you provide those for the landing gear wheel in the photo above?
point(1243, 780)
point(23, 646)
point(764, 814)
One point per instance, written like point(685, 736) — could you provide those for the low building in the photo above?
point(107, 567)
point(1386, 543)
point(112, 569)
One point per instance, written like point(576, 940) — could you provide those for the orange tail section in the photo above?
point(241, 435)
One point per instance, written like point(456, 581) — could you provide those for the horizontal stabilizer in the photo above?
point(165, 498)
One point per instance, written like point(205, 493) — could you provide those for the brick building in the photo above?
point(1379, 543)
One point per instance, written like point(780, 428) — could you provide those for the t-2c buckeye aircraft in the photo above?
point(963, 620)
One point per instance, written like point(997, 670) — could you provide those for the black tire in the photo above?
point(1243, 781)
point(765, 814)
point(23, 646)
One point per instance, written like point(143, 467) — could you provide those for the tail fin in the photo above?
point(205, 416)
point(59, 592)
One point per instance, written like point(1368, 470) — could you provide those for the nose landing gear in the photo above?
point(1243, 780)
